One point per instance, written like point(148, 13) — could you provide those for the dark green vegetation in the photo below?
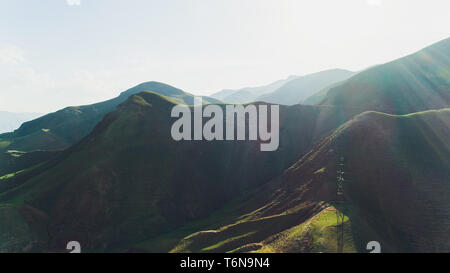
point(123, 184)
point(14, 161)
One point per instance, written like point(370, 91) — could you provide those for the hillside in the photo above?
point(303, 87)
point(395, 192)
point(418, 82)
point(16, 161)
point(319, 96)
point(59, 130)
point(109, 192)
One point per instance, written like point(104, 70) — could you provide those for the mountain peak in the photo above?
point(168, 90)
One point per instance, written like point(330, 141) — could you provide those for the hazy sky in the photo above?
point(55, 53)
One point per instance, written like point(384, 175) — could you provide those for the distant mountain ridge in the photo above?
point(61, 129)
point(290, 91)
point(249, 94)
point(303, 87)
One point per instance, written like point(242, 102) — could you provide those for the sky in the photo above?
point(57, 53)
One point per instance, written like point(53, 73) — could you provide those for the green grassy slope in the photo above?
point(15, 161)
point(396, 192)
point(417, 82)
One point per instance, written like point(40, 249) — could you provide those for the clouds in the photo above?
point(70, 57)
point(28, 86)
point(21, 84)
point(73, 2)
point(11, 55)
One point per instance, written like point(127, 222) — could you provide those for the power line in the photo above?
point(340, 199)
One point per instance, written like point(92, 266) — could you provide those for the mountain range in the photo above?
point(59, 130)
point(290, 91)
point(302, 88)
point(110, 176)
point(249, 94)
